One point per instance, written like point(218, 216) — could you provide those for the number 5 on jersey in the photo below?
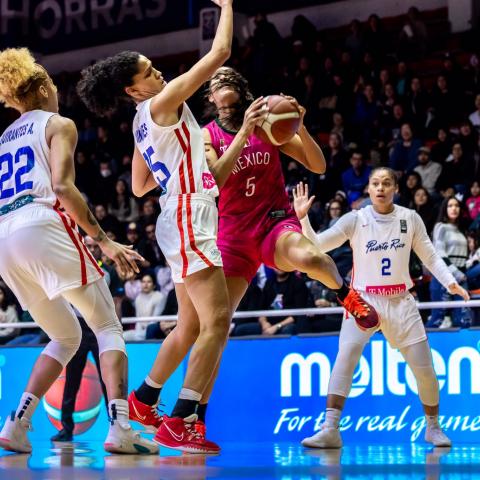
point(250, 187)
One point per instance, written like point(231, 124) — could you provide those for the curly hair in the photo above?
point(20, 76)
point(227, 77)
point(102, 85)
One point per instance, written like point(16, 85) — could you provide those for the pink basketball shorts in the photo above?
point(244, 252)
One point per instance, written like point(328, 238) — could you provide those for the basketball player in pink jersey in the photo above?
point(170, 153)
point(43, 258)
point(383, 277)
point(256, 221)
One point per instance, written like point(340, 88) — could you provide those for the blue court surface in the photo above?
point(285, 461)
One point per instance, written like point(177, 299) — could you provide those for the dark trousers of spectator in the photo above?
point(74, 372)
point(254, 328)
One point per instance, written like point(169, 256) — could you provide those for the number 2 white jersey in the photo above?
point(175, 154)
point(381, 247)
point(24, 160)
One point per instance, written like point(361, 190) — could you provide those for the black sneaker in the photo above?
point(63, 436)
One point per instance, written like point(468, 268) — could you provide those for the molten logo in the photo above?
point(380, 372)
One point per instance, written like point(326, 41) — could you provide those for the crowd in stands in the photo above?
point(399, 92)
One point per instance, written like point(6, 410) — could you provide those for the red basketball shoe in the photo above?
point(180, 434)
point(363, 313)
point(142, 413)
point(201, 428)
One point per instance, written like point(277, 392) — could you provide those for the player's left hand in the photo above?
point(299, 107)
point(456, 289)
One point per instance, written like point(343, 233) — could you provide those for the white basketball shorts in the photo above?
point(42, 254)
point(400, 321)
point(187, 234)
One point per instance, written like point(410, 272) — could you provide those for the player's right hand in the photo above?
point(301, 202)
point(456, 289)
point(255, 114)
point(124, 256)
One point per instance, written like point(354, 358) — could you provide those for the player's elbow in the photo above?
point(61, 189)
point(222, 54)
point(137, 191)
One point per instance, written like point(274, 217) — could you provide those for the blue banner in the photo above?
point(273, 390)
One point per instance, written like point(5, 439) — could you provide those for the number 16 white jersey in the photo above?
point(24, 160)
point(175, 154)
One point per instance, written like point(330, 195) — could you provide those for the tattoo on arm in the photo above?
point(91, 219)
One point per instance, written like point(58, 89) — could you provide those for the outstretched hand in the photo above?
point(456, 289)
point(301, 202)
point(124, 256)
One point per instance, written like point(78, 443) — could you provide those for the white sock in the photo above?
point(26, 407)
point(187, 394)
point(152, 383)
point(332, 417)
point(118, 410)
point(432, 420)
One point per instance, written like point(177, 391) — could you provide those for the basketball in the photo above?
point(87, 405)
point(281, 123)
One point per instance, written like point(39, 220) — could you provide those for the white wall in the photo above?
point(460, 14)
point(323, 16)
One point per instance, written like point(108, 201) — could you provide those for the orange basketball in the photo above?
point(87, 405)
point(282, 121)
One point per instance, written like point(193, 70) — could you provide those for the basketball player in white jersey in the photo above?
point(43, 258)
point(382, 237)
point(169, 152)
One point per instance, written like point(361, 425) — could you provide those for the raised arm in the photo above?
point(329, 239)
point(303, 148)
point(221, 167)
point(62, 138)
point(184, 86)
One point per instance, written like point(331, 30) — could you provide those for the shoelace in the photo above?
point(356, 305)
point(192, 433)
point(156, 411)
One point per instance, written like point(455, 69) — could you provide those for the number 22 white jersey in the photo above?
point(175, 154)
point(24, 160)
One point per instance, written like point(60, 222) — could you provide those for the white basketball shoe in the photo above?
point(13, 436)
point(435, 435)
point(122, 438)
point(326, 437)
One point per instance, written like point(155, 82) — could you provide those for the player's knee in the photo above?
point(218, 324)
point(188, 333)
point(110, 337)
point(63, 349)
point(311, 259)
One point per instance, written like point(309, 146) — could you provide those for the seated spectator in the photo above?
point(123, 205)
point(354, 42)
point(473, 262)
point(468, 139)
point(444, 103)
point(333, 211)
point(376, 40)
point(28, 336)
point(323, 186)
point(451, 243)
point(429, 171)
point(402, 79)
point(8, 314)
point(424, 206)
point(150, 250)
point(475, 116)
point(356, 177)
point(473, 202)
point(107, 221)
point(442, 148)
point(404, 155)
point(457, 171)
point(408, 186)
point(149, 213)
point(417, 102)
point(148, 303)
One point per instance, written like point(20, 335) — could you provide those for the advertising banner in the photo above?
point(274, 390)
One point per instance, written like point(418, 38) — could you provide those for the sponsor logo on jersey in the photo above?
point(141, 133)
point(208, 180)
point(403, 226)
